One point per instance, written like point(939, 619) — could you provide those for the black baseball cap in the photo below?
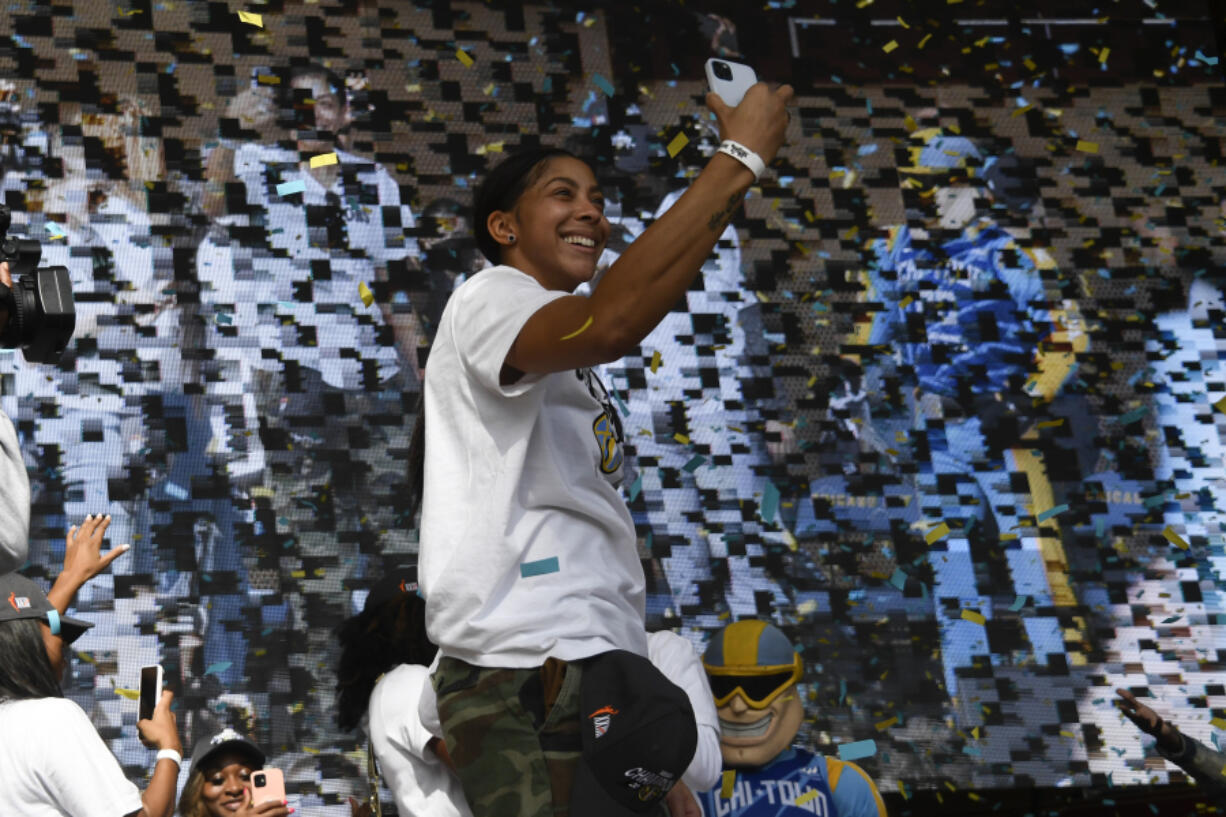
point(227, 740)
point(394, 584)
point(24, 598)
point(639, 736)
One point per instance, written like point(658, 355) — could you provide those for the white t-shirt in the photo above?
point(286, 280)
point(677, 661)
point(528, 550)
point(419, 781)
point(54, 764)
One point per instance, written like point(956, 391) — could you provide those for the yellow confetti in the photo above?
point(1051, 423)
point(973, 617)
point(727, 784)
point(1174, 538)
point(924, 41)
point(806, 797)
point(903, 23)
point(367, 296)
point(1102, 55)
point(252, 18)
point(130, 694)
point(681, 438)
point(1064, 733)
point(655, 361)
point(887, 723)
point(679, 142)
point(324, 159)
point(1220, 405)
point(1219, 723)
point(581, 329)
point(462, 56)
point(906, 301)
point(890, 46)
point(1087, 147)
point(937, 533)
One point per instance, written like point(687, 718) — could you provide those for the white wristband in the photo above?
point(745, 156)
point(170, 754)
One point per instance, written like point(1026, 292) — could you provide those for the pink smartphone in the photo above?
point(267, 785)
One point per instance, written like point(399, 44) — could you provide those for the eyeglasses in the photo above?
point(757, 690)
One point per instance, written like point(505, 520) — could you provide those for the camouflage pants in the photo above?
point(513, 735)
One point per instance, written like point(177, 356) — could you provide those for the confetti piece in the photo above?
point(539, 568)
point(656, 360)
point(973, 617)
point(1220, 405)
point(937, 533)
point(177, 491)
point(365, 294)
point(603, 84)
point(1018, 604)
point(924, 41)
point(1050, 512)
point(636, 487)
point(289, 188)
point(130, 694)
point(681, 438)
point(1051, 423)
point(675, 146)
point(218, 668)
point(890, 46)
point(694, 464)
point(806, 797)
point(1087, 147)
point(324, 159)
point(770, 503)
point(899, 579)
point(1174, 538)
point(727, 784)
point(1102, 55)
point(251, 18)
point(462, 56)
point(1133, 416)
point(1219, 723)
point(857, 750)
point(580, 330)
point(887, 723)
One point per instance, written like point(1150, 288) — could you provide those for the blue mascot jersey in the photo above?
point(797, 783)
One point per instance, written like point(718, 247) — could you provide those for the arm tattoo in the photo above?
point(720, 218)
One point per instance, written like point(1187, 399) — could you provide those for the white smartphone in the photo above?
point(150, 690)
point(730, 80)
point(267, 784)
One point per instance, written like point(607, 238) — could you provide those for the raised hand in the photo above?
point(1149, 721)
point(83, 556)
point(759, 122)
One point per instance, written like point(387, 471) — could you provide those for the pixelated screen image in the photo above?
point(946, 402)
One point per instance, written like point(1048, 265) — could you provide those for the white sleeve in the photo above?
point(14, 500)
point(79, 772)
point(678, 662)
point(393, 713)
point(486, 316)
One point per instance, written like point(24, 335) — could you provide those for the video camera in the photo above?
point(41, 314)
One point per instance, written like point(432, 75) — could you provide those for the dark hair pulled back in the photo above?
point(501, 189)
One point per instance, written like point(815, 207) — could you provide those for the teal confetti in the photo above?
point(770, 503)
point(218, 668)
point(636, 487)
point(1050, 512)
point(694, 464)
point(289, 188)
point(603, 84)
point(899, 579)
point(858, 749)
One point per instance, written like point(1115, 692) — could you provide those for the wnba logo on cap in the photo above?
point(19, 602)
point(601, 719)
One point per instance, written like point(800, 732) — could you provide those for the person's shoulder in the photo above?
point(402, 677)
point(45, 710)
point(855, 793)
point(494, 278)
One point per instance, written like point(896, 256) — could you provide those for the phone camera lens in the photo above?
point(260, 779)
point(722, 70)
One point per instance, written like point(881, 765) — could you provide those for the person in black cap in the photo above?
point(220, 781)
point(52, 760)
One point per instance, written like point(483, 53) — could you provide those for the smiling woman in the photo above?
point(528, 560)
point(220, 781)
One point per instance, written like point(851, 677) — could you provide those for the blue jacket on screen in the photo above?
point(797, 783)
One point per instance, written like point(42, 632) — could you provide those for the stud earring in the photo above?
point(511, 237)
